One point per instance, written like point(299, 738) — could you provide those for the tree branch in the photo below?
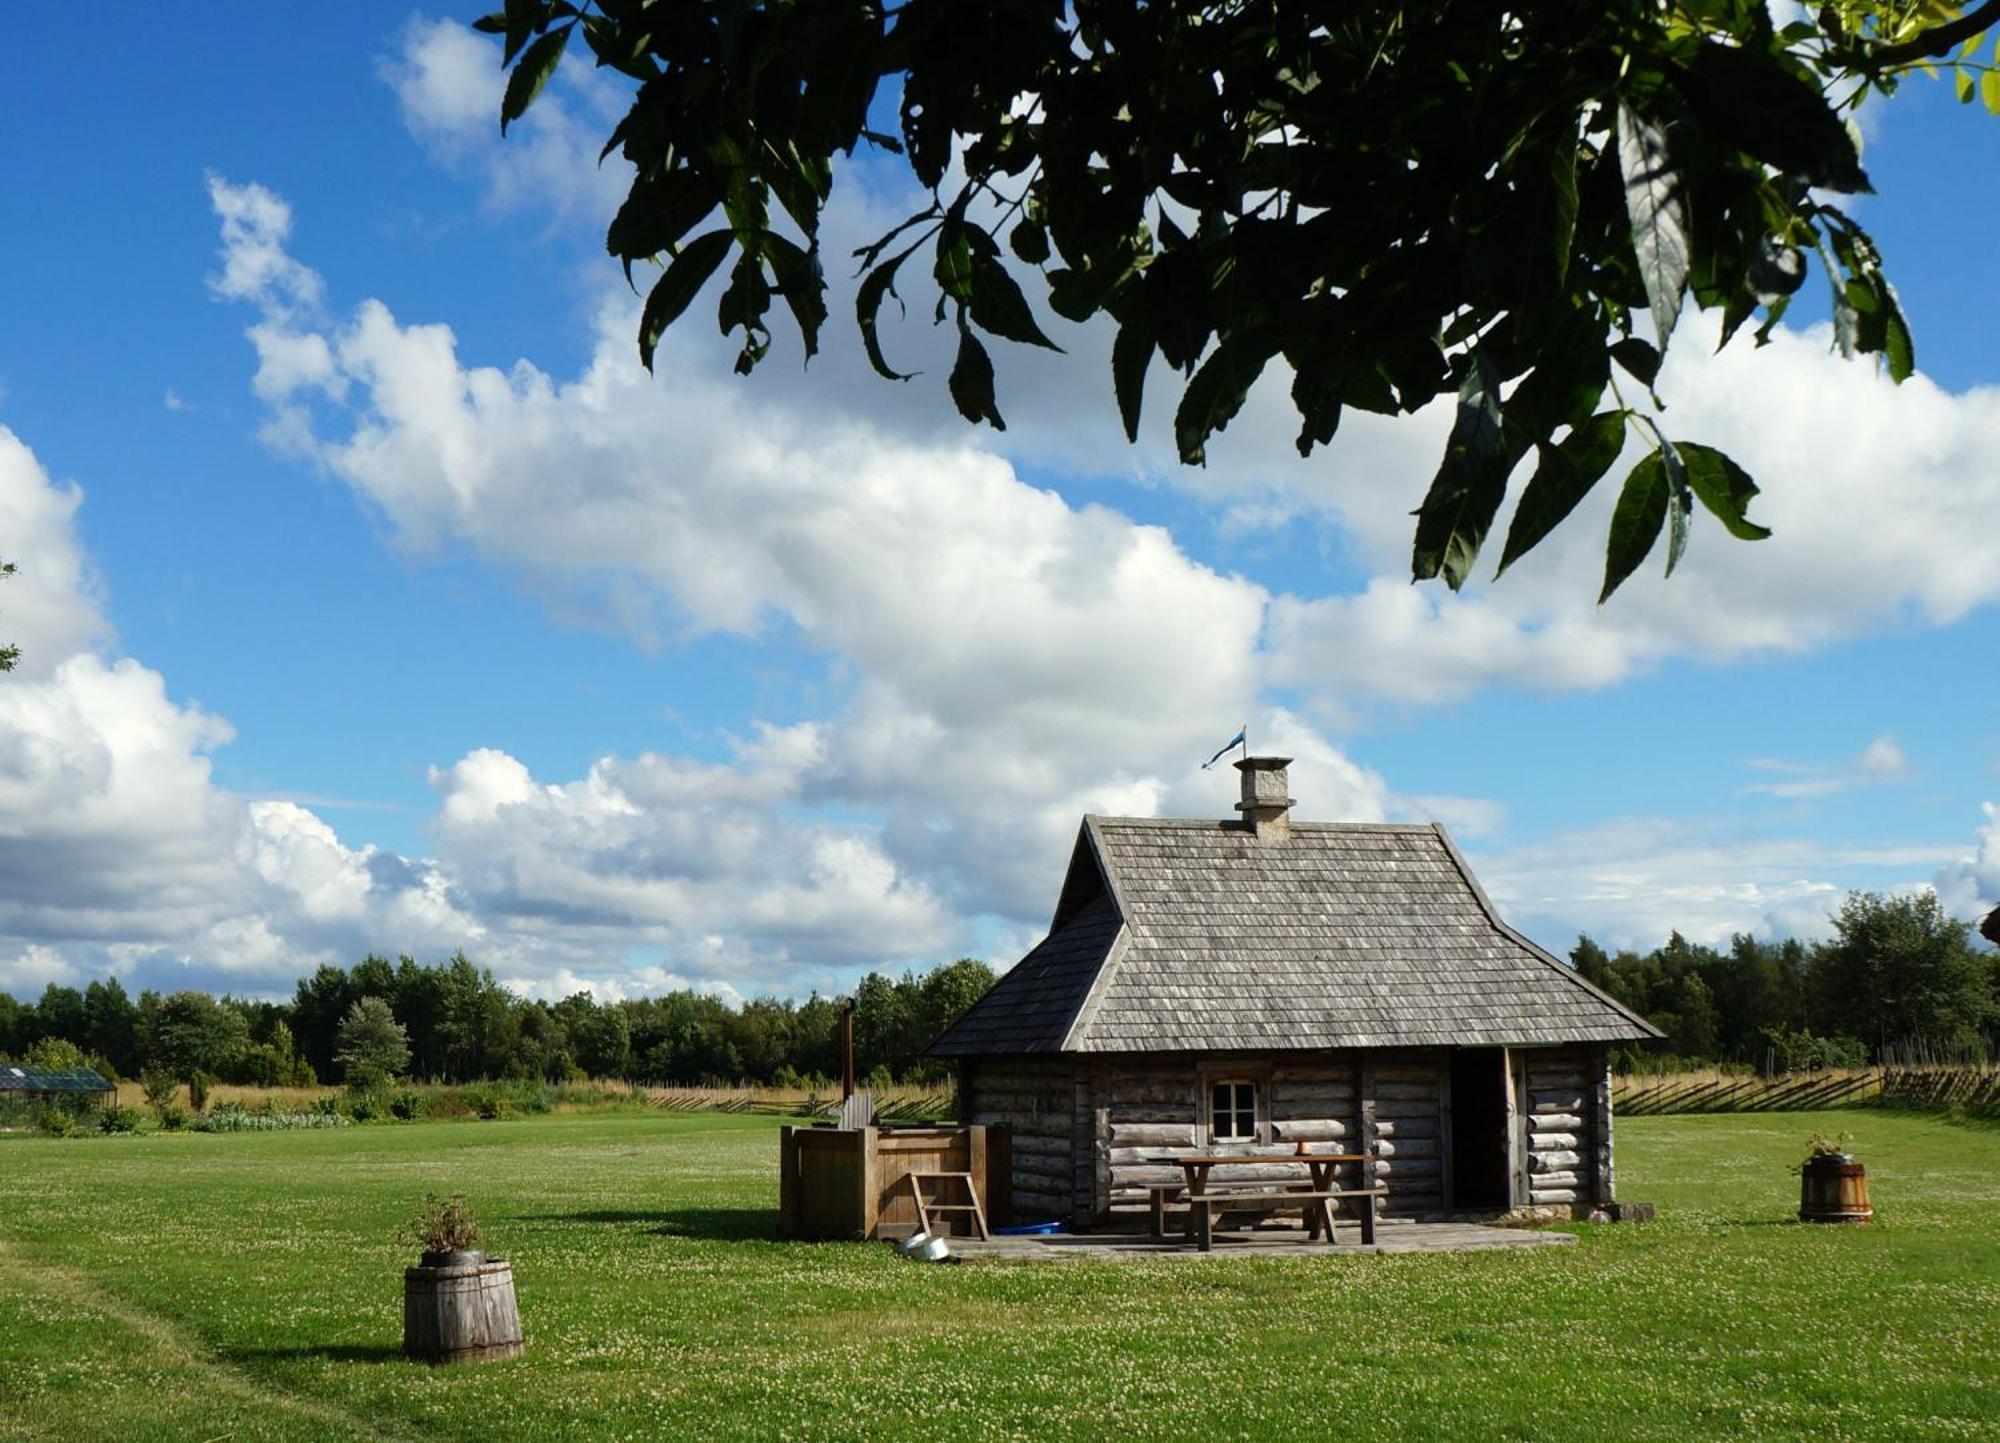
point(1934, 43)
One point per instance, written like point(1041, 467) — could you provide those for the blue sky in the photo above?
point(373, 600)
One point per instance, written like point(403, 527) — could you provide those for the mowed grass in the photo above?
point(248, 1286)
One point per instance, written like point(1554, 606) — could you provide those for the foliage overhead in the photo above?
point(1392, 203)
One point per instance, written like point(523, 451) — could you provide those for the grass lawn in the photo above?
point(248, 1286)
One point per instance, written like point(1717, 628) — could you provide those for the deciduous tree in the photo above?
point(1388, 203)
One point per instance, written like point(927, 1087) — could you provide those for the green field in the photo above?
point(248, 1287)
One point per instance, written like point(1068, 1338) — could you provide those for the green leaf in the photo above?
point(656, 214)
point(1897, 343)
point(1639, 358)
point(1562, 177)
point(1775, 113)
point(1470, 483)
point(1846, 322)
point(1131, 354)
point(803, 285)
point(953, 267)
point(1680, 502)
point(1564, 477)
point(877, 285)
point(518, 20)
point(1030, 242)
point(1570, 374)
point(1723, 487)
point(684, 277)
point(972, 382)
point(1215, 392)
point(999, 307)
point(1635, 522)
point(1661, 238)
point(536, 66)
point(1989, 91)
point(1963, 83)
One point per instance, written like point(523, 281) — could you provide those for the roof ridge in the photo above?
point(1233, 824)
point(1093, 995)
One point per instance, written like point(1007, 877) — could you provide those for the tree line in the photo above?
point(454, 1022)
point(1898, 981)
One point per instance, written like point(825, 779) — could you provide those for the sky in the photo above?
point(372, 598)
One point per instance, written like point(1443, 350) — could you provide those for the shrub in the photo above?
point(173, 1117)
point(161, 1088)
point(443, 1225)
point(57, 1123)
point(118, 1119)
point(199, 1083)
point(58, 1054)
point(405, 1105)
point(364, 1106)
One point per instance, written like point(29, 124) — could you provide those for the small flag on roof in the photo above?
point(1230, 746)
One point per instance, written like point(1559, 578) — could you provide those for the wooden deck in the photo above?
point(1391, 1236)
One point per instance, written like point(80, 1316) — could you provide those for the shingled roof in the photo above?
point(1181, 936)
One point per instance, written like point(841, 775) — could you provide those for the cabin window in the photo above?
point(1232, 1110)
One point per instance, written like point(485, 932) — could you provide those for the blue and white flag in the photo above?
point(1229, 746)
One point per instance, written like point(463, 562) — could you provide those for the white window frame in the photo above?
point(1234, 1080)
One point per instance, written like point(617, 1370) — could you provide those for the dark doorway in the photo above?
point(1479, 1151)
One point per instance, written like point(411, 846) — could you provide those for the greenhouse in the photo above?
point(25, 1091)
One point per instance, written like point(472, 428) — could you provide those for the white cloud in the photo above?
point(119, 853)
point(49, 607)
point(1969, 885)
point(1015, 660)
point(1629, 883)
point(448, 82)
point(1882, 760)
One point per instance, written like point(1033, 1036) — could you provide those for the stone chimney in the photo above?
point(1264, 801)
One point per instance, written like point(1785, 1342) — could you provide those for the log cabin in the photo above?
point(1251, 984)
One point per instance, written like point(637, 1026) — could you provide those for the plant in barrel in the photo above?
point(458, 1304)
point(1833, 1187)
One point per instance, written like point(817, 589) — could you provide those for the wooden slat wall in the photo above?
point(1037, 1100)
point(1562, 1126)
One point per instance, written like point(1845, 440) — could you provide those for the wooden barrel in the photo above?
point(1834, 1190)
point(460, 1313)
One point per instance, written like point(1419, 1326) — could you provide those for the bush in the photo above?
point(443, 1225)
point(57, 1123)
point(199, 1083)
point(405, 1105)
point(161, 1087)
point(118, 1119)
point(173, 1117)
point(364, 1106)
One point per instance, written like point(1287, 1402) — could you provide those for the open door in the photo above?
point(1481, 1148)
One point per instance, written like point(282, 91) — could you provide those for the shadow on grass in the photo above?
point(712, 1224)
point(326, 1352)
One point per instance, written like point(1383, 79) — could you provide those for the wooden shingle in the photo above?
point(1183, 935)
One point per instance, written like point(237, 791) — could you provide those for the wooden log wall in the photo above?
point(1407, 1087)
point(1566, 1117)
point(1037, 1101)
point(1153, 1108)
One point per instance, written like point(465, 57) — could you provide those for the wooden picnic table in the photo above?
point(1313, 1198)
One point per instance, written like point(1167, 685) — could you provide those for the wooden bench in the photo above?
point(1316, 1203)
